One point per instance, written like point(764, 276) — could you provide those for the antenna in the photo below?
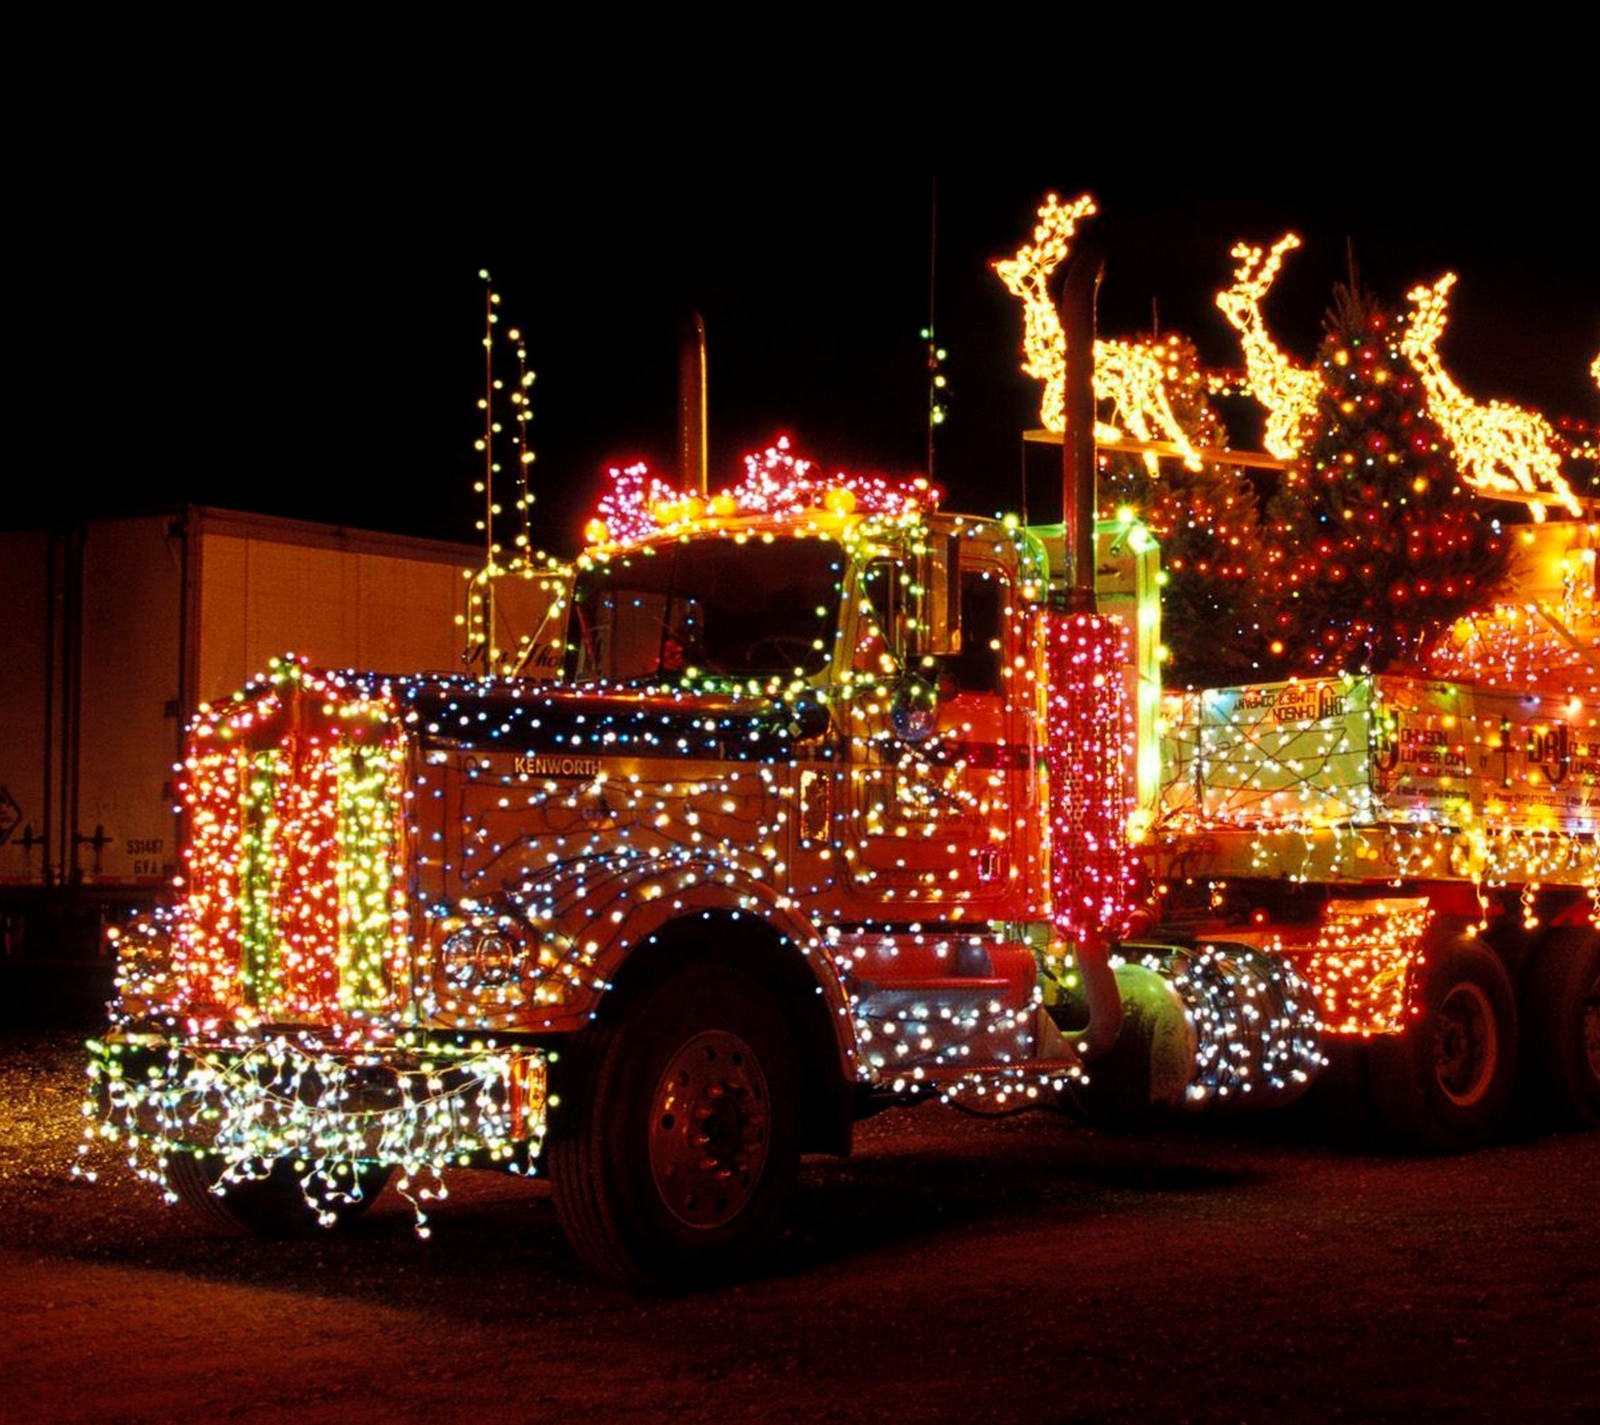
point(937, 384)
point(485, 486)
point(523, 407)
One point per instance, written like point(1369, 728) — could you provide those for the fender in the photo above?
point(591, 914)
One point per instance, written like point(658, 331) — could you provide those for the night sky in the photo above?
point(300, 333)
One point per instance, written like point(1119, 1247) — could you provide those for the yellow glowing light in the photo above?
point(776, 482)
point(1131, 376)
point(1289, 392)
point(1545, 632)
point(1364, 962)
point(1501, 449)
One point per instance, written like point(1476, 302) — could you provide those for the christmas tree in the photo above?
point(1374, 544)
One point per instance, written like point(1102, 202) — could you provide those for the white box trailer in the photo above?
point(116, 630)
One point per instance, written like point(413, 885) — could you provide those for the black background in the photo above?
point(261, 292)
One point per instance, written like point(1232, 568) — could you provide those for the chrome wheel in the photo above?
point(708, 1129)
point(676, 1138)
point(1466, 1045)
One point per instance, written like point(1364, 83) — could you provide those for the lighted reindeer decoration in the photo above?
point(1289, 392)
point(1501, 449)
point(1131, 376)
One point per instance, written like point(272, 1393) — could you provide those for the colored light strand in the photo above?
point(775, 482)
point(251, 1102)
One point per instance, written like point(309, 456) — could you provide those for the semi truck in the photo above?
point(841, 800)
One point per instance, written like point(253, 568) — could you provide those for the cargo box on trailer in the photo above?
point(117, 631)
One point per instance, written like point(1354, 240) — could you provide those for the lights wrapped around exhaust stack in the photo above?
point(1258, 1040)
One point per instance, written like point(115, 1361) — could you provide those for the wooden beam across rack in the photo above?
point(1221, 455)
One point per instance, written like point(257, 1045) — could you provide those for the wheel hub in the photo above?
point(1465, 1045)
point(708, 1129)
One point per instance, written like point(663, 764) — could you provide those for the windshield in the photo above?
point(721, 607)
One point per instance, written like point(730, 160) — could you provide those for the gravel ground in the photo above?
point(1025, 1269)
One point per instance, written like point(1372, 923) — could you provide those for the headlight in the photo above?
point(476, 957)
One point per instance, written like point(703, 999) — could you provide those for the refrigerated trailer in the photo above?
point(116, 631)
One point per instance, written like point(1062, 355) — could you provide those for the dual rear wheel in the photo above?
point(1561, 1015)
point(1447, 1082)
point(1477, 1046)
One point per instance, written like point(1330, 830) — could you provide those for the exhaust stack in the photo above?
point(1081, 742)
point(692, 456)
point(1079, 292)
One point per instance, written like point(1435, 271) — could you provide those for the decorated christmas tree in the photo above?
point(1373, 543)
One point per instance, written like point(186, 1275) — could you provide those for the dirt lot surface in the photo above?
point(1023, 1269)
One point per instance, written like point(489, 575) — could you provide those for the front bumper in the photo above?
point(275, 1093)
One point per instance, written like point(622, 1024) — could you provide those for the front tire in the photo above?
point(1446, 1083)
point(274, 1200)
point(674, 1146)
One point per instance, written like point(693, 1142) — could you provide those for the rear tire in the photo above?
point(1446, 1083)
point(274, 1206)
point(674, 1147)
point(1561, 1029)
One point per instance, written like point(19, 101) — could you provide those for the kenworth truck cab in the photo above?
point(841, 801)
point(831, 805)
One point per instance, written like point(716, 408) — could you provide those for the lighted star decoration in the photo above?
point(776, 481)
point(1288, 391)
point(1502, 450)
point(1131, 376)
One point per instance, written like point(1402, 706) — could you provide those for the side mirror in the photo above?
point(939, 577)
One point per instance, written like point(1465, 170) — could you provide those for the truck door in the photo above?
point(938, 749)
